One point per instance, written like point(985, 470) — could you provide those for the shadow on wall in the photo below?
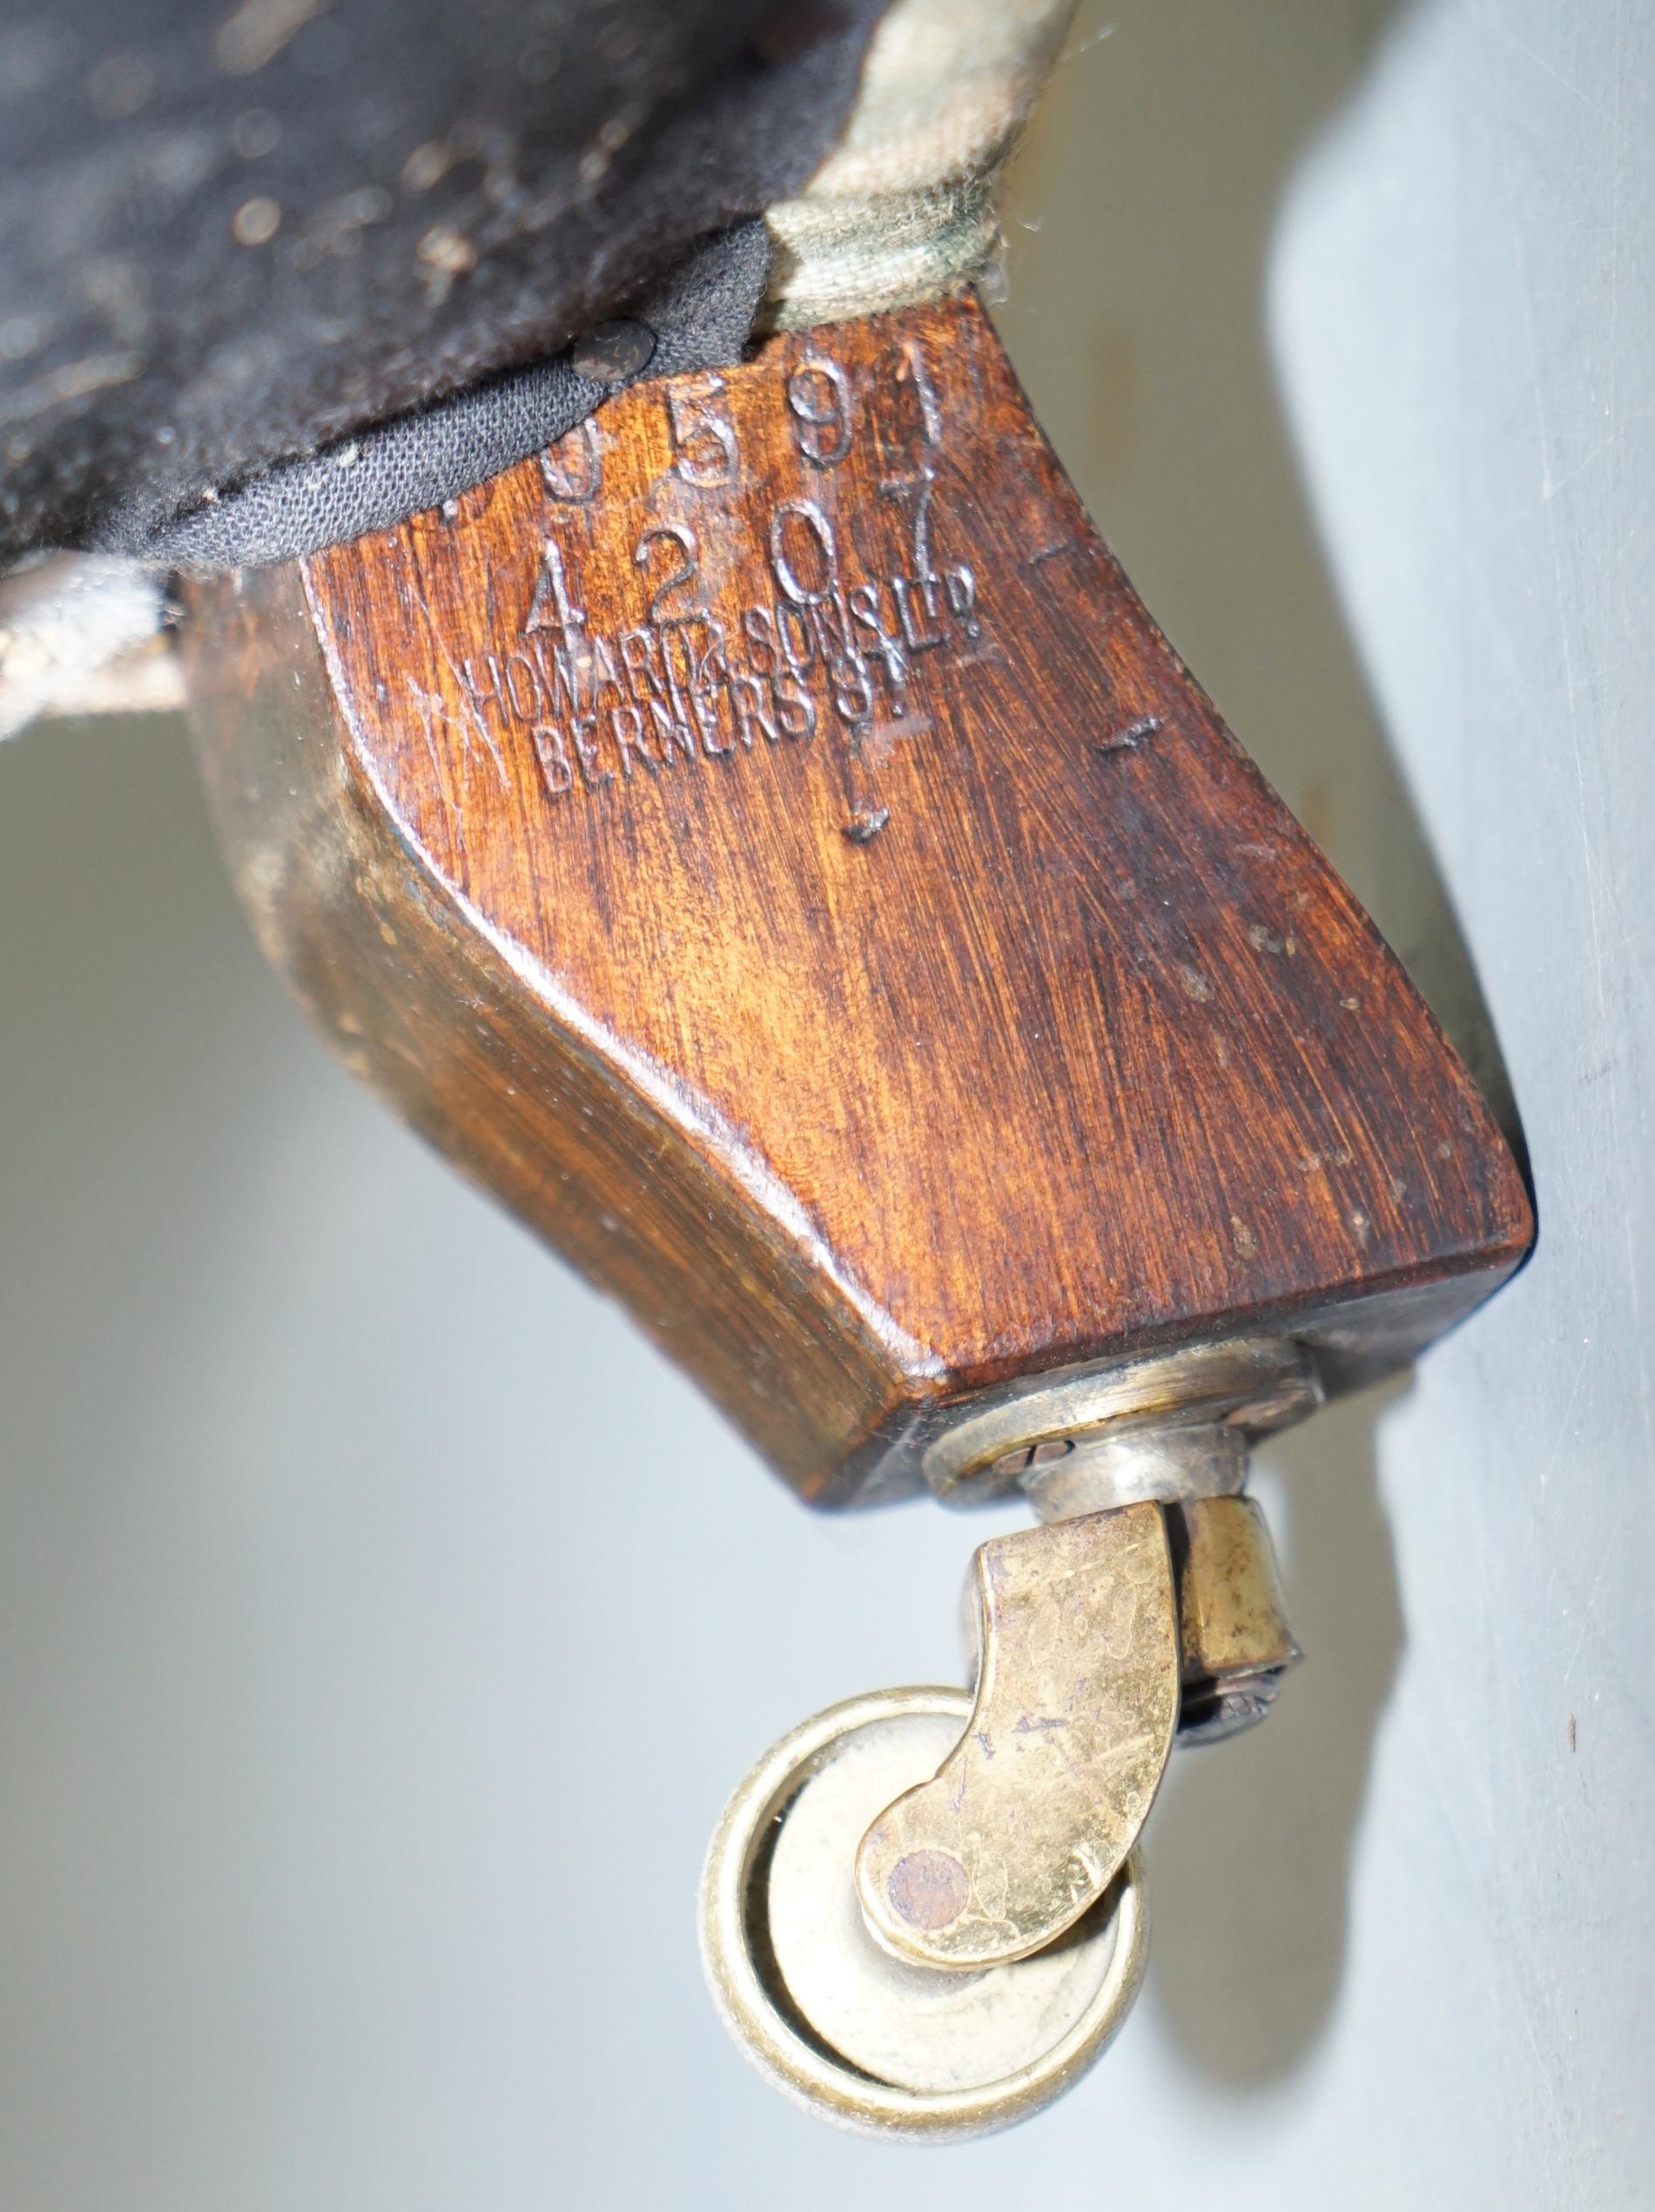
point(1251, 1846)
point(1140, 231)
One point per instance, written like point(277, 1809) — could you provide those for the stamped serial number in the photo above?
point(814, 643)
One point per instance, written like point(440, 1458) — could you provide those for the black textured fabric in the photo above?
point(232, 235)
point(699, 316)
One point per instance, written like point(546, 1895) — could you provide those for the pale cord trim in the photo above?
point(903, 209)
point(80, 634)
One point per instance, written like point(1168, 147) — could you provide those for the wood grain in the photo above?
point(767, 842)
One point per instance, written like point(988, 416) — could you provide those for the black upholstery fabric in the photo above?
point(697, 317)
point(232, 235)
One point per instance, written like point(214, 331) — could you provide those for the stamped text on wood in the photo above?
point(766, 839)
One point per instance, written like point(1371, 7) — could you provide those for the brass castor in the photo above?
point(840, 2024)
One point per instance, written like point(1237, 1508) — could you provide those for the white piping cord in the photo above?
point(903, 209)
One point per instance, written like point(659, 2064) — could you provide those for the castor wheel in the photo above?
point(836, 2020)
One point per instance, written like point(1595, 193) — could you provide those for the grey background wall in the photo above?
point(381, 1623)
